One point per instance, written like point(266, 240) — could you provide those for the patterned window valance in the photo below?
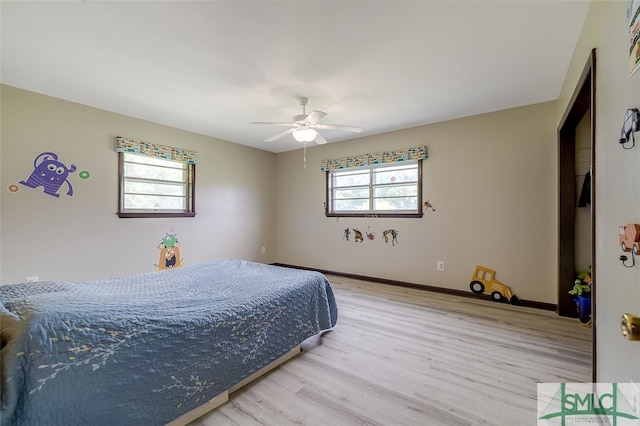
point(417, 153)
point(155, 150)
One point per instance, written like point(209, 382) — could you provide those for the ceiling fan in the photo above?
point(304, 127)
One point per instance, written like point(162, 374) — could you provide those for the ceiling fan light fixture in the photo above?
point(303, 126)
point(304, 134)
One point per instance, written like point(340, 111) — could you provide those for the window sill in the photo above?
point(375, 215)
point(152, 215)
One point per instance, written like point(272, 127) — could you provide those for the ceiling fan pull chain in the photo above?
point(305, 155)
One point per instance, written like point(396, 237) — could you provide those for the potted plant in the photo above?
point(581, 293)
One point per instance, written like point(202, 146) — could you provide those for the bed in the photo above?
point(155, 348)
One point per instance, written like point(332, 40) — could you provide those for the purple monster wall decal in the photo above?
point(49, 173)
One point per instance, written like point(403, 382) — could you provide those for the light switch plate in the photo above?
point(635, 397)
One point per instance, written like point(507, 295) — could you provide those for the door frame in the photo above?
point(582, 101)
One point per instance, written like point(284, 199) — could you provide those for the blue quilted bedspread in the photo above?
point(145, 349)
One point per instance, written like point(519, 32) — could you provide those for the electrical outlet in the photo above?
point(440, 265)
point(33, 279)
point(264, 250)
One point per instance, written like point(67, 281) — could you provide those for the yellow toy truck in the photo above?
point(483, 279)
point(629, 238)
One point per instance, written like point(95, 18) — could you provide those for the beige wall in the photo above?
point(491, 178)
point(617, 182)
point(492, 181)
point(81, 237)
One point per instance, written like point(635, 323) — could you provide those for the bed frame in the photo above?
point(223, 397)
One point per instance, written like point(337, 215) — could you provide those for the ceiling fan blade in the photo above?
point(315, 116)
point(279, 135)
point(277, 123)
point(338, 127)
point(320, 140)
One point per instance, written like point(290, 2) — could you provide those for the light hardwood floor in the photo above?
point(401, 356)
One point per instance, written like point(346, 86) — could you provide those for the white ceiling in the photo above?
point(212, 67)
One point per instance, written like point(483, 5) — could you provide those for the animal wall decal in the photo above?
point(49, 173)
point(390, 233)
point(428, 205)
point(169, 252)
point(370, 235)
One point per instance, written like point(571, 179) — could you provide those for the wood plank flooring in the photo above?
point(408, 357)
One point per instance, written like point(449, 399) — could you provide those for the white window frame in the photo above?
point(330, 210)
point(188, 182)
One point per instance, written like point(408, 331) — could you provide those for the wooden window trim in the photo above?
point(191, 201)
point(419, 214)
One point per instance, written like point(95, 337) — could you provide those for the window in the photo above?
point(383, 190)
point(155, 187)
